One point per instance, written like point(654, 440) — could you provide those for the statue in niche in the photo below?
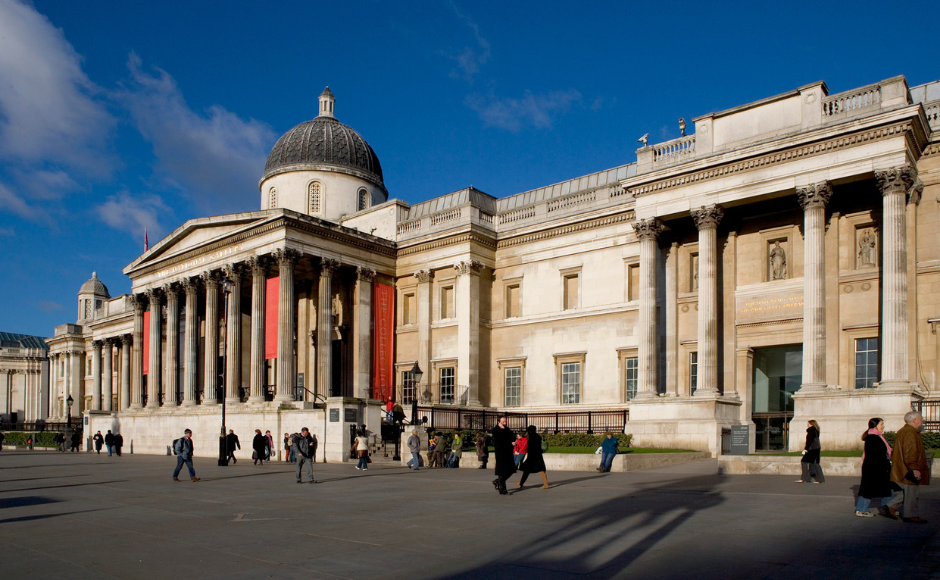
point(866, 249)
point(694, 284)
point(778, 262)
point(337, 310)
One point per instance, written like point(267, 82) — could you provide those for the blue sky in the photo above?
point(116, 116)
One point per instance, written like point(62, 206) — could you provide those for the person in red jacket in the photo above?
point(520, 449)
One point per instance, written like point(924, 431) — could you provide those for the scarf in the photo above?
point(878, 433)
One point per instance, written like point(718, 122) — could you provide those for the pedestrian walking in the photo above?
point(2, 439)
point(289, 449)
point(76, 441)
point(184, 456)
point(231, 444)
point(270, 440)
point(909, 468)
point(361, 447)
point(259, 447)
point(305, 449)
point(483, 451)
point(118, 443)
point(456, 451)
point(876, 471)
point(109, 441)
point(414, 447)
point(519, 449)
point(440, 450)
point(503, 439)
point(609, 448)
point(398, 414)
point(99, 441)
point(534, 462)
point(812, 471)
point(29, 442)
point(59, 441)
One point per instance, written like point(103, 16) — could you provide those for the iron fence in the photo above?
point(545, 422)
point(930, 411)
point(40, 425)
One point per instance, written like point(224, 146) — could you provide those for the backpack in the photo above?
point(295, 438)
point(177, 446)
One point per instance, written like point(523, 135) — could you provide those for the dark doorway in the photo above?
point(336, 368)
point(778, 373)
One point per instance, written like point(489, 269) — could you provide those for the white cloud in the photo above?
point(135, 213)
point(15, 204)
point(470, 60)
point(513, 114)
point(49, 112)
point(49, 307)
point(215, 156)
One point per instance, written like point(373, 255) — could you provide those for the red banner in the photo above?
point(383, 345)
point(271, 291)
point(146, 343)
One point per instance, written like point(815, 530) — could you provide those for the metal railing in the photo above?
point(545, 422)
point(39, 425)
point(930, 411)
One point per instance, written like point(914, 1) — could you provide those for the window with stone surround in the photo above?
point(513, 300)
point(512, 386)
point(447, 376)
point(572, 287)
point(272, 198)
point(570, 383)
point(448, 310)
point(315, 192)
point(633, 282)
point(866, 362)
point(363, 199)
point(632, 369)
point(693, 372)
point(409, 314)
point(408, 389)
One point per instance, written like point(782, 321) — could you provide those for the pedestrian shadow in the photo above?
point(25, 501)
point(63, 485)
point(603, 540)
point(47, 516)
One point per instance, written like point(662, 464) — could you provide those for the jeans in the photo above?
point(109, 451)
point(291, 456)
point(518, 457)
point(363, 462)
point(301, 462)
point(863, 503)
point(606, 460)
point(416, 459)
point(179, 465)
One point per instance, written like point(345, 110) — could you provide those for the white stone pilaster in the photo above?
point(648, 232)
point(706, 220)
point(423, 300)
point(155, 361)
point(328, 268)
point(813, 200)
point(286, 312)
point(210, 381)
point(362, 333)
point(468, 329)
point(190, 340)
point(259, 270)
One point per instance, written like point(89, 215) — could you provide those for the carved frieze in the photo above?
point(816, 195)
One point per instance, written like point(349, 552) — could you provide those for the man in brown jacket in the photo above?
point(909, 467)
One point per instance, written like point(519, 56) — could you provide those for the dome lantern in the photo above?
point(326, 103)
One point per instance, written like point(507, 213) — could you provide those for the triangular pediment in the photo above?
point(201, 232)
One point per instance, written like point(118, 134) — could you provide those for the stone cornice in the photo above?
point(775, 158)
point(931, 150)
point(623, 217)
point(466, 237)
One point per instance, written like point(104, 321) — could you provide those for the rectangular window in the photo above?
point(866, 362)
point(513, 386)
point(408, 313)
point(633, 282)
point(447, 386)
point(447, 302)
point(513, 304)
point(570, 383)
point(632, 369)
point(693, 372)
point(571, 291)
point(407, 387)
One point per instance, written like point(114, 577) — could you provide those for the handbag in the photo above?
point(254, 455)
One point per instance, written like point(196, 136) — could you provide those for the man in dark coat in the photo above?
point(503, 439)
point(76, 441)
point(909, 467)
point(118, 443)
point(109, 441)
point(231, 444)
point(99, 441)
point(305, 449)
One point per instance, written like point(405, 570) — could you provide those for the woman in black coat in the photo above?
point(810, 461)
point(876, 471)
point(503, 439)
point(260, 447)
point(534, 463)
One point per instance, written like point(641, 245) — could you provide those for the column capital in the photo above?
point(126, 339)
point(816, 195)
point(286, 257)
point(328, 266)
point(896, 179)
point(170, 289)
point(97, 344)
point(190, 284)
point(424, 276)
point(707, 216)
point(211, 279)
point(916, 192)
point(365, 274)
point(259, 265)
point(233, 271)
point(649, 229)
point(471, 267)
point(135, 301)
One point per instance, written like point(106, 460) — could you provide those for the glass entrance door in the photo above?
point(778, 373)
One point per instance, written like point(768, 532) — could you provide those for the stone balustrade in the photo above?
point(572, 201)
point(674, 151)
point(447, 216)
point(866, 97)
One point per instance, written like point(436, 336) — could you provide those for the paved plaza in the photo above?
point(90, 516)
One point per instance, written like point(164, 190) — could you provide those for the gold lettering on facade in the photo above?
point(197, 262)
point(770, 305)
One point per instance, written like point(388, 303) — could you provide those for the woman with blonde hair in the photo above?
point(812, 472)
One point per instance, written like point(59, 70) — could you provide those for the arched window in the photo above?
point(363, 199)
point(272, 198)
point(315, 189)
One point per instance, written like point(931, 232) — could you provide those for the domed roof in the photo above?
point(324, 143)
point(94, 286)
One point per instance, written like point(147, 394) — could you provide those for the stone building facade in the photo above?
point(781, 263)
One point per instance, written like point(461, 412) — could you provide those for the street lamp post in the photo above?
point(68, 425)
point(416, 374)
point(220, 391)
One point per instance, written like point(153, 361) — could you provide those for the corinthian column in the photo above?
point(894, 185)
point(125, 400)
point(96, 375)
point(325, 326)
point(155, 366)
point(259, 271)
point(648, 232)
point(286, 312)
point(107, 389)
point(137, 378)
point(362, 333)
point(172, 342)
point(211, 354)
point(813, 200)
point(468, 329)
point(706, 220)
point(190, 340)
point(233, 334)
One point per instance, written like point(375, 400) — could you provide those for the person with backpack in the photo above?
point(289, 448)
point(183, 447)
point(305, 449)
